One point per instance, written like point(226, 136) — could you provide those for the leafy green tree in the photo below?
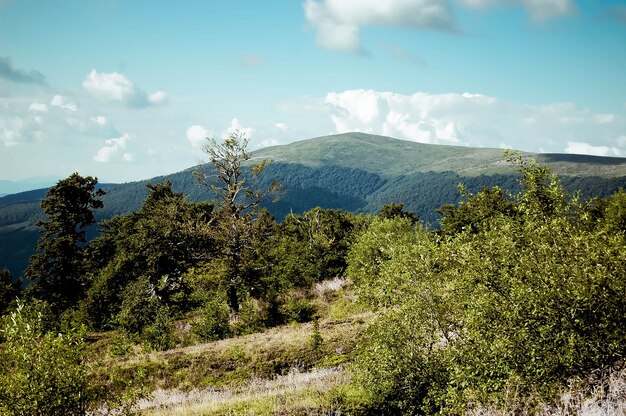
point(312, 247)
point(57, 269)
point(215, 321)
point(233, 184)
point(43, 370)
point(397, 210)
point(160, 243)
point(474, 211)
point(9, 290)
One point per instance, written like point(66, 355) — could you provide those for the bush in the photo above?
point(298, 309)
point(215, 321)
point(159, 335)
point(250, 318)
point(509, 310)
point(42, 370)
point(139, 307)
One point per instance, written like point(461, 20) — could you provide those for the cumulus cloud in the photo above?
point(539, 10)
point(197, 134)
point(588, 149)
point(338, 22)
point(281, 126)
point(38, 107)
point(116, 87)
point(52, 120)
point(7, 71)
point(157, 98)
point(253, 61)
point(101, 120)
point(269, 142)
point(114, 149)
point(236, 126)
point(476, 120)
point(64, 103)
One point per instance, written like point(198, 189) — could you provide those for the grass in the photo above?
point(277, 371)
point(296, 392)
point(603, 395)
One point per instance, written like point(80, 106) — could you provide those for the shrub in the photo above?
point(159, 335)
point(297, 309)
point(513, 308)
point(43, 370)
point(215, 321)
point(139, 307)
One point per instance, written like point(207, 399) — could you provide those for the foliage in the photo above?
point(9, 290)
point(297, 309)
point(312, 247)
point(508, 306)
point(43, 370)
point(397, 210)
point(56, 270)
point(214, 324)
point(237, 198)
point(474, 212)
point(139, 307)
point(158, 335)
point(316, 339)
point(159, 243)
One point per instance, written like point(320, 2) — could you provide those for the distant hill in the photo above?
point(354, 171)
point(12, 187)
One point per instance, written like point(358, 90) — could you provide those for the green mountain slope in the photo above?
point(354, 171)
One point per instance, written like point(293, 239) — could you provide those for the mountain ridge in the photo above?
point(353, 171)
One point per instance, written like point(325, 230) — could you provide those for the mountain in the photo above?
point(354, 171)
point(12, 187)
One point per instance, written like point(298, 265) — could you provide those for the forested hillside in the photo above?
point(353, 172)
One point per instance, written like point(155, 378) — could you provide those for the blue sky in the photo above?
point(127, 90)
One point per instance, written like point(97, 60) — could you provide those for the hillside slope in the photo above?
point(354, 171)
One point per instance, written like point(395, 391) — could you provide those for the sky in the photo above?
point(128, 90)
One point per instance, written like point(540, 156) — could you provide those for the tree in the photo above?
point(397, 210)
point(237, 199)
point(475, 211)
point(56, 270)
point(160, 242)
point(9, 290)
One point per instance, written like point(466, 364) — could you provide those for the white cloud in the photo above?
point(236, 126)
point(158, 98)
point(101, 120)
point(281, 126)
point(110, 86)
point(64, 103)
point(476, 120)
point(116, 87)
point(114, 147)
point(338, 22)
point(588, 149)
point(268, 143)
point(539, 10)
point(38, 107)
point(197, 135)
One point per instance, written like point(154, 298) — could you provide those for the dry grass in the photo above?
point(235, 361)
point(601, 396)
point(261, 373)
point(325, 287)
point(294, 392)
